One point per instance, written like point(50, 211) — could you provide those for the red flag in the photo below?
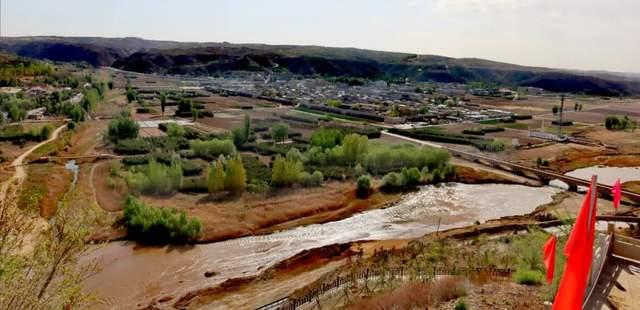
point(550, 257)
point(579, 252)
point(617, 193)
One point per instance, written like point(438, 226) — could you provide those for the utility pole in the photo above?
point(561, 109)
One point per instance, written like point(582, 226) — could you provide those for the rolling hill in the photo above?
point(171, 57)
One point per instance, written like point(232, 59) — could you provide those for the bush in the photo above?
point(157, 178)
point(363, 186)
point(393, 180)
point(151, 225)
point(191, 168)
point(211, 149)
point(460, 305)
point(528, 277)
point(279, 132)
point(619, 123)
point(132, 147)
point(326, 138)
point(175, 130)
point(72, 125)
point(311, 179)
point(121, 128)
point(257, 172)
point(411, 176)
point(135, 160)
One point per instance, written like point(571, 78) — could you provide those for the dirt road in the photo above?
point(39, 224)
point(20, 173)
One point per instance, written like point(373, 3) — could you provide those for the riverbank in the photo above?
point(261, 214)
point(325, 262)
point(178, 271)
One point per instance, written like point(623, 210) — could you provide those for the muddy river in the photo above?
point(128, 276)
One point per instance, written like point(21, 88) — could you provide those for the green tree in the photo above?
point(76, 113)
point(16, 112)
point(216, 177)
point(237, 134)
point(279, 132)
point(195, 113)
point(355, 147)
point(246, 128)
point(122, 127)
point(326, 138)
point(163, 101)
point(285, 172)
point(132, 95)
point(184, 105)
point(236, 176)
point(363, 186)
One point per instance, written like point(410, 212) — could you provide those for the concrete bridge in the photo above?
point(544, 176)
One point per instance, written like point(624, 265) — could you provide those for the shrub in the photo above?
point(528, 277)
point(121, 128)
point(411, 176)
point(211, 149)
point(175, 130)
point(72, 125)
point(158, 225)
point(363, 186)
point(326, 138)
point(257, 172)
point(191, 168)
point(132, 147)
point(135, 160)
point(619, 123)
point(460, 305)
point(157, 178)
point(279, 132)
point(311, 179)
point(393, 180)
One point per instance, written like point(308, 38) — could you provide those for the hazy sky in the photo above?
point(581, 34)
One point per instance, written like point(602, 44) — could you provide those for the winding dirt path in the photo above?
point(7, 192)
point(17, 163)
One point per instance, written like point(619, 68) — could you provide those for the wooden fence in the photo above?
point(291, 303)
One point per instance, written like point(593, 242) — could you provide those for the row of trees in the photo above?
point(289, 170)
point(410, 177)
point(228, 175)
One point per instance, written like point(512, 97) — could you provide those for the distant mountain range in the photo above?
point(148, 56)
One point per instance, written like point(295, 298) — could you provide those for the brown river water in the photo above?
point(127, 276)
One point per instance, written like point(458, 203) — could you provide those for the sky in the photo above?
point(571, 34)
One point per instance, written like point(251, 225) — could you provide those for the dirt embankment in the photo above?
point(266, 213)
point(301, 263)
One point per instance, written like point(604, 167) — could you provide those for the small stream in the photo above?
point(129, 276)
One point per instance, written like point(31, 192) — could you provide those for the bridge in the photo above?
point(544, 176)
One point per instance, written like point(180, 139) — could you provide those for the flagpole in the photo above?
point(592, 201)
